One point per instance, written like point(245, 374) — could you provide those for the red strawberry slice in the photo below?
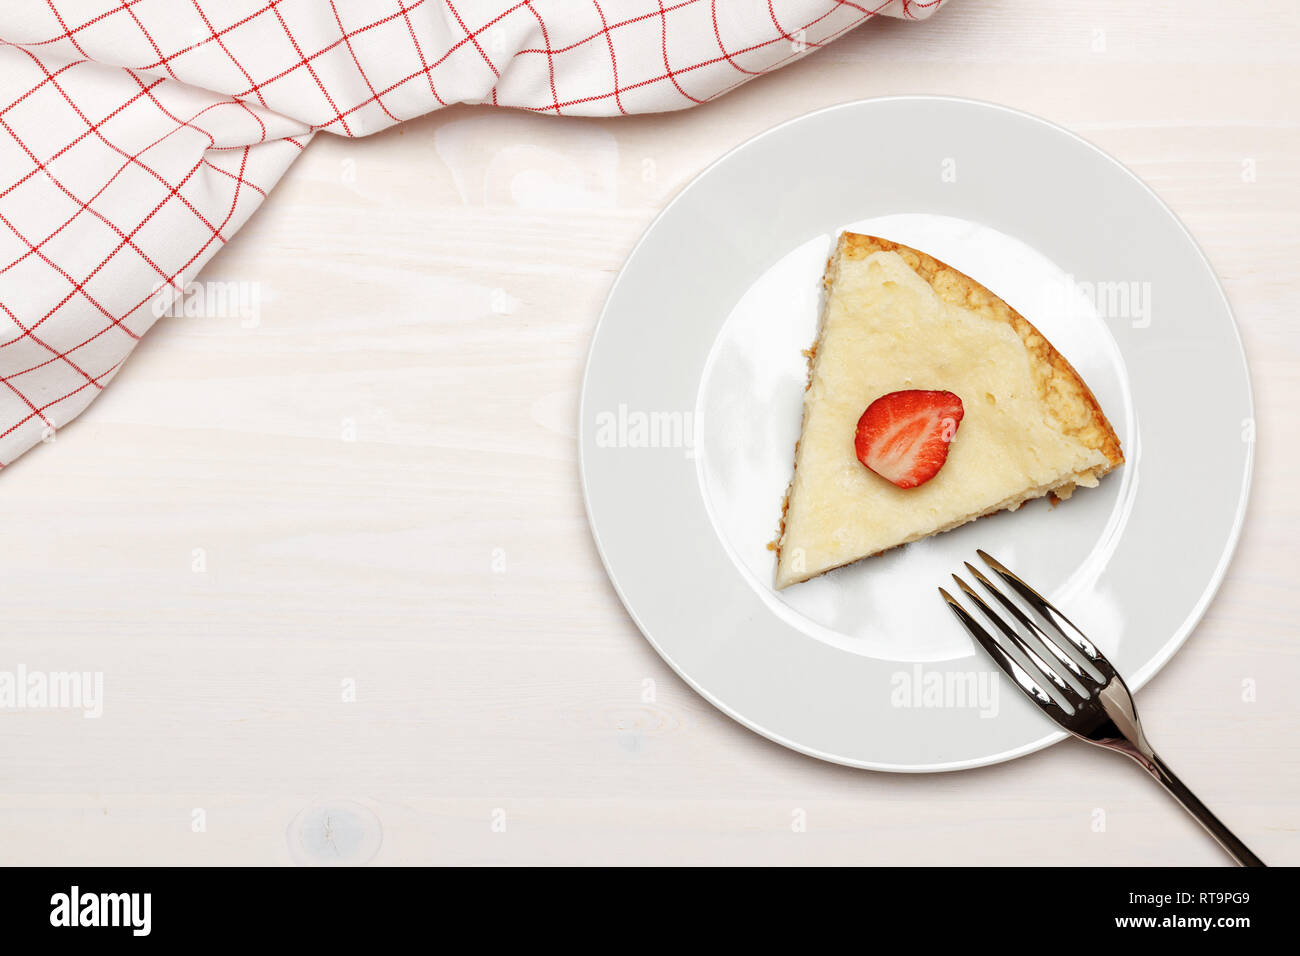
point(903, 436)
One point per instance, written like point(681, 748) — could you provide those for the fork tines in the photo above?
point(1049, 674)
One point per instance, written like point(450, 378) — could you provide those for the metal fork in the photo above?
point(1103, 714)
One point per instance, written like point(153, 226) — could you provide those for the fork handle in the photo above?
point(1213, 825)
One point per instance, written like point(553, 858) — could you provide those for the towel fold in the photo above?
point(137, 136)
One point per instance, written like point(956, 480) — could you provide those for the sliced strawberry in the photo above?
point(903, 436)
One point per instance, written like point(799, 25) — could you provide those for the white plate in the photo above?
point(693, 396)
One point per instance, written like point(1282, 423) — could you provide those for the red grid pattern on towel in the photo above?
point(136, 136)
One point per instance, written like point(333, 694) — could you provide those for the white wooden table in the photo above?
point(335, 570)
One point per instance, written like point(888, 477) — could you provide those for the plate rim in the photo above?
point(1137, 680)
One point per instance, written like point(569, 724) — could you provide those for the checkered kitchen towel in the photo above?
point(137, 136)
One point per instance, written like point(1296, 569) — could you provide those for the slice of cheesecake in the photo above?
point(898, 320)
